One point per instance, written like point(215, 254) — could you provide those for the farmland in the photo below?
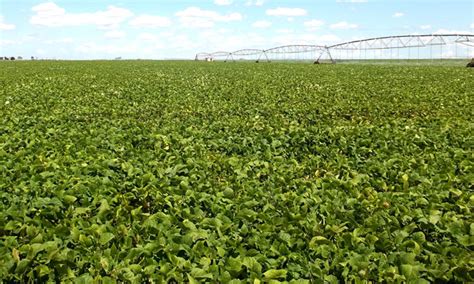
point(212, 172)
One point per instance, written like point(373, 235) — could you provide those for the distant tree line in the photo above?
point(14, 58)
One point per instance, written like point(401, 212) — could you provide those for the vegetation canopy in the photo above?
point(213, 172)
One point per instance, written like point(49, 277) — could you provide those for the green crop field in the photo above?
point(216, 172)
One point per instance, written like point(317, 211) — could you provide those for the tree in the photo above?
point(471, 64)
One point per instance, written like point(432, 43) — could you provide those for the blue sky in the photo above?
point(73, 29)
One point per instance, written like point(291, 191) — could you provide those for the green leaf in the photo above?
point(234, 264)
point(43, 270)
point(318, 240)
point(22, 266)
point(69, 199)
point(409, 271)
point(105, 238)
point(275, 274)
point(435, 216)
point(191, 279)
point(228, 192)
point(200, 273)
point(252, 264)
point(83, 279)
point(405, 182)
point(103, 208)
point(189, 225)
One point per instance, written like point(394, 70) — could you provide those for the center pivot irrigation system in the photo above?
point(426, 46)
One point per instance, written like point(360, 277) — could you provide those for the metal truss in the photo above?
point(404, 41)
point(301, 48)
point(246, 52)
point(317, 52)
point(212, 56)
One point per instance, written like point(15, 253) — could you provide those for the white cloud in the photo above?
point(4, 42)
point(51, 15)
point(286, 12)
point(40, 51)
point(262, 24)
point(194, 22)
point(398, 15)
point(22, 40)
point(60, 41)
point(313, 24)
point(198, 18)
point(425, 27)
point(222, 2)
point(472, 26)
point(305, 38)
point(150, 21)
point(327, 39)
point(114, 34)
point(48, 9)
point(352, 1)
point(212, 15)
point(343, 26)
point(446, 31)
point(94, 49)
point(212, 40)
point(153, 40)
point(4, 26)
point(284, 31)
point(147, 37)
point(180, 42)
point(254, 2)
